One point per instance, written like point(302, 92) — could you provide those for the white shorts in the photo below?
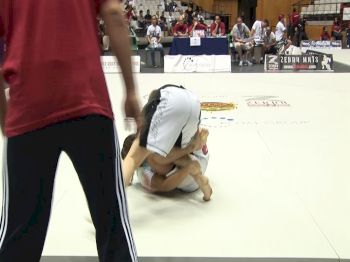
point(145, 173)
point(172, 117)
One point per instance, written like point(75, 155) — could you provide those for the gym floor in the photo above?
point(279, 169)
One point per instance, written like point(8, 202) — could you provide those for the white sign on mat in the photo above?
point(200, 63)
point(110, 64)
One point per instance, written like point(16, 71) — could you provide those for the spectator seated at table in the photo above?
point(242, 45)
point(325, 35)
point(180, 29)
point(196, 26)
point(154, 38)
point(217, 28)
point(269, 42)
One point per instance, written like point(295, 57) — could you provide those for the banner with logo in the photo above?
point(315, 61)
point(320, 45)
point(110, 64)
point(200, 63)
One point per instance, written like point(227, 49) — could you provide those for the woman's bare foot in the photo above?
point(203, 183)
point(206, 188)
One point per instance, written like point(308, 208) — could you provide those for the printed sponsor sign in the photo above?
point(265, 101)
point(320, 45)
point(310, 61)
point(200, 63)
point(110, 64)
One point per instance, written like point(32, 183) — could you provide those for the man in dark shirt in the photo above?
point(148, 17)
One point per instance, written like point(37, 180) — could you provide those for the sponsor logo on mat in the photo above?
point(266, 101)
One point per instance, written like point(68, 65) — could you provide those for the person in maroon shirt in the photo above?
point(59, 102)
point(2, 51)
point(196, 25)
point(325, 35)
point(217, 28)
point(295, 18)
point(180, 29)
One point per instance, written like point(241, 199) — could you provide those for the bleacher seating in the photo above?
point(152, 5)
point(323, 8)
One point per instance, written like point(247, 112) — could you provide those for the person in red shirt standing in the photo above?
point(59, 102)
point(295, 18)
point(217, 28)
point(294, 21)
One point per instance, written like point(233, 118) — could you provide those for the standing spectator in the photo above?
point(280, 28)
point(66, 108)
point(196, 25)
point(172, 6)
point(162, 16)
point(154, 38)
point(200, 14)
point(217, 28)
point(240, 32)
point(180, 29)
point(148, 17)
point(162, 22)
point(336, 30)
point(171, 21)
point(295, 20)
point(157, 14)
point(300, 33)
point(189, 13)
point(141, 20)
point(325, 35)
point(269, 42)
point(129, 13)
point(258, 27)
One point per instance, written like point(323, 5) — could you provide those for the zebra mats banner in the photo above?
point(312, 60)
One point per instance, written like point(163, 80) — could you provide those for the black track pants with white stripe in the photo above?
point(30, 162)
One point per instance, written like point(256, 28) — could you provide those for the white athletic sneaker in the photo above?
point(241, 63)
point(249, 63)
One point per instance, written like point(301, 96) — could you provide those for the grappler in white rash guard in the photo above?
point(168, 135)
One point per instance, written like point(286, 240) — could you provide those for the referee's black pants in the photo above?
point(30, 162)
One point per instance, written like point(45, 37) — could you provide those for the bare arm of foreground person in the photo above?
point(112, 14)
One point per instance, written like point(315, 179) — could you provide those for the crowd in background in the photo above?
point(249, 45)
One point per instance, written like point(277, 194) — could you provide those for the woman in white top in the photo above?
point(280, 28)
